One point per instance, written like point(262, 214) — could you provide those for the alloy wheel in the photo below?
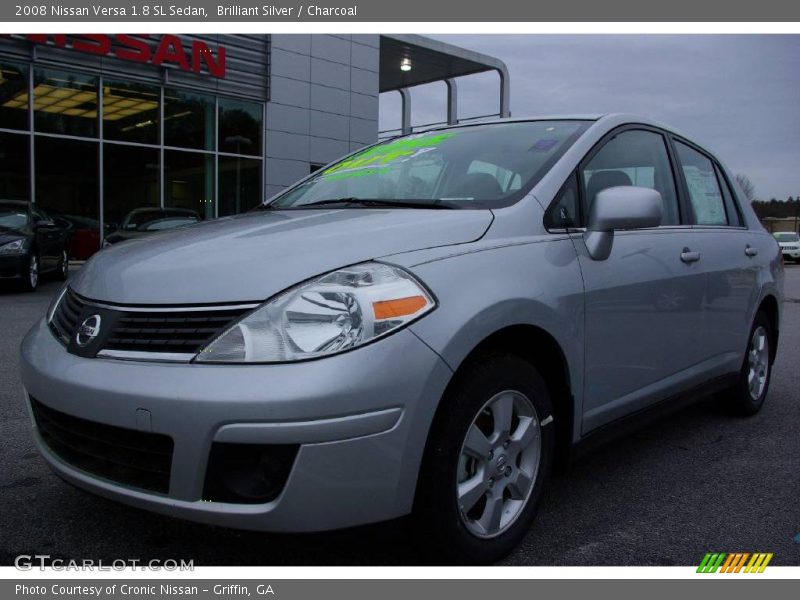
point(33, 271)
point(498, 464)
point(758, 362)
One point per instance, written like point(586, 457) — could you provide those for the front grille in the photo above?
point(67, 316)
point(169, 331)
point(135, 458)
point(178, 330)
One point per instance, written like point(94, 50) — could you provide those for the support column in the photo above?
point(405, 126)
point(505, 93)
point(452, 101)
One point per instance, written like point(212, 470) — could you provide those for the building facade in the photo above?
point(94, 128)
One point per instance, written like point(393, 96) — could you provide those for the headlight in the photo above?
point(330, 314)
point(16, 247)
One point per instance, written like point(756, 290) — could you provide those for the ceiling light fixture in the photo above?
point(405, 65)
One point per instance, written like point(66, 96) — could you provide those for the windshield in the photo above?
point(480, 166)
point(787, 237)
point(13, 216)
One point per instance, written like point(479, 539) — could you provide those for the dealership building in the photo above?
point(93, 127)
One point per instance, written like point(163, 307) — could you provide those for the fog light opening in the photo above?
point(247, 473)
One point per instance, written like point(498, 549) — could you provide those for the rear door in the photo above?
point(729, 259)
point(643, 303)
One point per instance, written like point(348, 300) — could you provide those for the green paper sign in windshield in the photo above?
point(372, 160)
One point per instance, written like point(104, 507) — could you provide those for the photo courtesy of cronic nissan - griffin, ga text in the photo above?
point(423, 328)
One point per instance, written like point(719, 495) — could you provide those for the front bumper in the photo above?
point(793, 253)
point(13, 266)
point(361, 419)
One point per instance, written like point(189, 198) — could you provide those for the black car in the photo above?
point(145, 221)
point(31, 243)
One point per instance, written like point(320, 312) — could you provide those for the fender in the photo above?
point(536, 283)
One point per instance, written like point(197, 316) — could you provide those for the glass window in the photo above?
point(13, 96)
point(65, 103)
point(188, 120)
point(507, 180)
point(130, 182)
point(130, 112)
point(15, 172)
point(13, 215)
point(189, 182)
point(564, 212)
point(239, 184)
point(704, 191)
point(67, 188)
point(633, 157)
point(433, 167)
point(240, 127)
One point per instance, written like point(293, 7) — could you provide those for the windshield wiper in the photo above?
point(376, 202)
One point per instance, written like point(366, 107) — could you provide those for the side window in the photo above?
point(563, 212)
point(704, 191)
point(727, 195)
point(634, 157)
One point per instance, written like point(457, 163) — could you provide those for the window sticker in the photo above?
point(705, 195)
point(380, 158)
point(544, 145)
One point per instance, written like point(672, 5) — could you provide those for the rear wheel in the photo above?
point(488, 459)
point(747, 396)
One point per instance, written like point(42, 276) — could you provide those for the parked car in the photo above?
point(84, 234)
point(144, 221)
point(421, 328)
point(31, 244)
point(790, 245)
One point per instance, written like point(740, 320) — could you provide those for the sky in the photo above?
point(736, 95)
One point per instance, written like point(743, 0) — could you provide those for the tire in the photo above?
point(63, 268)
point(453, 477)
point(743, 398)
point(30, 274)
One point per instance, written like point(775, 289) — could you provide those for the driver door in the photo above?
point(644, 302)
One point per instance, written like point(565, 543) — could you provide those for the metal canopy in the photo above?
point(430, 61)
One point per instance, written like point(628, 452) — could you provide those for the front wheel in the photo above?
point(487, 462)
point(30, 273)
point(747, 396)
point(63, 267)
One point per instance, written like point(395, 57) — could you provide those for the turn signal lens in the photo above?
point(402, 307)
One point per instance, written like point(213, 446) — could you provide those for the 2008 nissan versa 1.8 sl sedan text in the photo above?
point(423, 327)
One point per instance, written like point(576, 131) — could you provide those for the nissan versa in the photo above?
point(421, 328)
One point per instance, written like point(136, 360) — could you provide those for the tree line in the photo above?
point(773, 207)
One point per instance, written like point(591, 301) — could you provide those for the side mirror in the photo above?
point(622, 207)
point(45, 224)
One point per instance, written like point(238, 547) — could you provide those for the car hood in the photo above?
point(253, 256)
point(9, 235)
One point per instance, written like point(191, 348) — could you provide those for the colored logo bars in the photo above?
point(735, 562)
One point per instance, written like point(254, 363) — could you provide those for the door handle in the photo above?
point(688, 256)
point(750, 251)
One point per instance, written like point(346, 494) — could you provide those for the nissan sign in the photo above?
point(168, 50)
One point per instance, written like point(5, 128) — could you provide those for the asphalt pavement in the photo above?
point(698, 480)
